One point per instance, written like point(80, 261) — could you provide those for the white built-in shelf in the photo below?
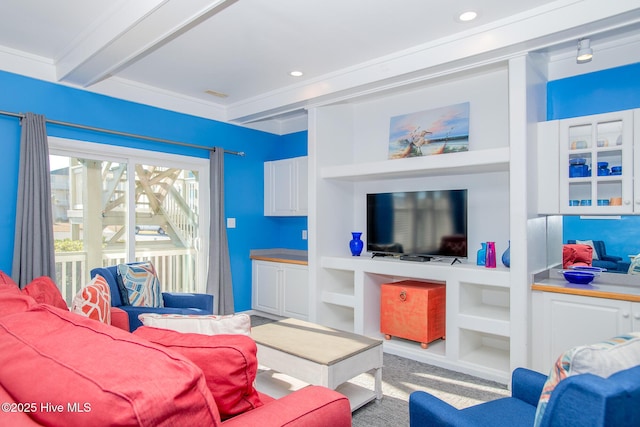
point(497, 359)
point(467, 162)
point(338, 298)
point(489, 358)
point(435, 270)
point(499, 314)
point(486, 323)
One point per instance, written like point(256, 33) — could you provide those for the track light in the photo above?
point(585, 53)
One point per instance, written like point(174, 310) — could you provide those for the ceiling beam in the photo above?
point(129, 32)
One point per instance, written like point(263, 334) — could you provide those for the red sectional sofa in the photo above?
point(58, 368)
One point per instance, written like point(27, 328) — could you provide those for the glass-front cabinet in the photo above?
point(596, 164)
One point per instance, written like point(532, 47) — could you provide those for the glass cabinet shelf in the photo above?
point(596, 164)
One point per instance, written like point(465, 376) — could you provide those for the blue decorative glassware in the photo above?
point(356, 244)
point(506, 256)
point(482, 254)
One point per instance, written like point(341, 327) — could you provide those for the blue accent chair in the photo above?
point(579, 400)
point(613, 263)
point(174, 303)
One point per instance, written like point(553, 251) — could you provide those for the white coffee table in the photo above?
point(301, 353)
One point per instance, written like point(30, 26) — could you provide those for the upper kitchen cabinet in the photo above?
point(285, 187)
point(587, 165)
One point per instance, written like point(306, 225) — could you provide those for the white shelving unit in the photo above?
point(348, 158)
point(478, 295)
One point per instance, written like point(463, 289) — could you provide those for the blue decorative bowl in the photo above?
point(578, 277)
point(594, 270)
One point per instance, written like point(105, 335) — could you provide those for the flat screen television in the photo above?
point(418, 223)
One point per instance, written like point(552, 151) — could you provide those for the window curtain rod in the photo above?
point(129, 135)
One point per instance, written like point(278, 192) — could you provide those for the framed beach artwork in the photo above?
point(425, 133)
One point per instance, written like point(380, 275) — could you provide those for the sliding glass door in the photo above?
point(113, 205)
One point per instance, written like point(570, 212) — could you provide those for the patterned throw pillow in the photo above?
point(142, 284)
point(603, 359)
point(208, 324)
point(94, 301)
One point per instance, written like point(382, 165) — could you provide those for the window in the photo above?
point(113, 205)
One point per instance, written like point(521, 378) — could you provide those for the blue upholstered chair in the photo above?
point(174, 303)
point(579, 400)
point(613, 263)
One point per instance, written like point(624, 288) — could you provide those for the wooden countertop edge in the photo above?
point(282, 260)
point(586, 292)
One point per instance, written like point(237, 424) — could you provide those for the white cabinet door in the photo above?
point(636, 159)
point(602, 142)
point(301, 185)
point(295, 293)
point(285, 187)
point(610, 140)
point(567, 321)
point(635, 317)
point(281, 289)
point(266, 287)
point(278, 188)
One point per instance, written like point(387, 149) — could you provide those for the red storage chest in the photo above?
point(413, 310)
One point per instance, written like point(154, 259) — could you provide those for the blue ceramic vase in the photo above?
point(356, 244)
point(506, 256)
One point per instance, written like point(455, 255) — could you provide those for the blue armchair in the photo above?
point(579, 400)
point(174, 303)
point(613, 263)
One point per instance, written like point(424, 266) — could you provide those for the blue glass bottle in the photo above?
point(482, 254)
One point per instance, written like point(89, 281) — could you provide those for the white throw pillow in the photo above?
point(590, 243)
point(603, 359)
point(199, 324)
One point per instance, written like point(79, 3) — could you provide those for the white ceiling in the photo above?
point(169, 53)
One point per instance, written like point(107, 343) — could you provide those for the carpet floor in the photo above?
point(401, 377)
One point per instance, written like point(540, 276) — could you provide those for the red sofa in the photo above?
point(58, 368)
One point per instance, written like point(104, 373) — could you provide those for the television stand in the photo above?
point(418, 258)
point(380, 254)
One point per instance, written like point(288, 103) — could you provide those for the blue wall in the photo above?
point(244, 198)
point(600, 92)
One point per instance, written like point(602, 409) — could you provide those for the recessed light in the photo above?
point(296, 73)
point(467, 16)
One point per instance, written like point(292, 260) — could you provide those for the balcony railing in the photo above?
point(176, 269)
